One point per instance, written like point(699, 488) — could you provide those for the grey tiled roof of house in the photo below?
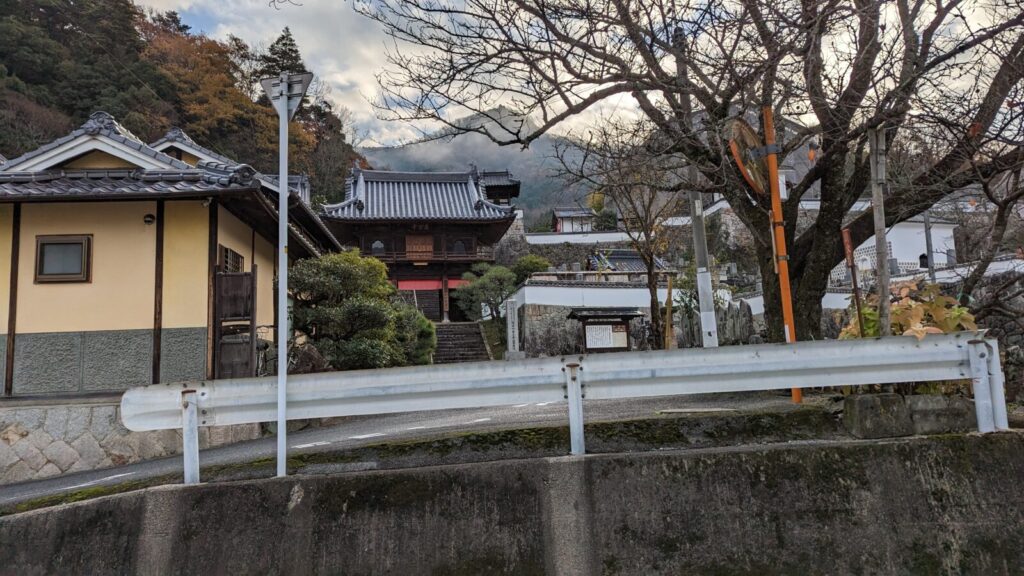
point(621, 260)
point(396, 196)
point(94, 184)
point(99, 124)
point(298, 183)
point(177, 135)
point(573, 212)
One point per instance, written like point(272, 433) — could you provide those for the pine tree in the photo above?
point(282, 56)
point(171, 22)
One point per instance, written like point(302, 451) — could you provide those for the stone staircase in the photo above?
point(460, 342)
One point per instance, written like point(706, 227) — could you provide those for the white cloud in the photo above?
point(342, 47)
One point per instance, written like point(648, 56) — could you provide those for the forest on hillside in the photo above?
point(61, 61)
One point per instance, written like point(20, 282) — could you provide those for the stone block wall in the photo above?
point(735, 324)
point(1009, 330)
point(547, 331)
point(40, 441)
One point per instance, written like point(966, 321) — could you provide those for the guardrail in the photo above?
point(188, 405)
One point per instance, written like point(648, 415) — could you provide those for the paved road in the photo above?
point(362, 431)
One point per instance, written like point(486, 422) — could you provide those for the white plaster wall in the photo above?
point(577, 238)
point(831, 301)
point(589, 296)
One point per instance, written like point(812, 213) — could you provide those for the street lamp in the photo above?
point(285, 93)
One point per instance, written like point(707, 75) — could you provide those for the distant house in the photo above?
point(129, 264)
point(573, 219)
point(429, 227)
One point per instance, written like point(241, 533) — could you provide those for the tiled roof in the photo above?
point(116, 183)
point(99, 124)
point(395, 196)
point(497, 178)
point(298, 183)
point(178, 136)
point(621, 260)
point(574, 212)
point(501, 182)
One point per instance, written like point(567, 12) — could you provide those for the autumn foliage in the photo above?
point(914, 312)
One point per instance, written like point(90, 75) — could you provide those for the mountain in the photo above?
point(536, 167)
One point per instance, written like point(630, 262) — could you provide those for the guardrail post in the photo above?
point(996, 383)
point(978, 354)
point(574, 393)
point(190, 435)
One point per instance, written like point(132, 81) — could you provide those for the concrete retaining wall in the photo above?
point(46, 440)
point(942, 505)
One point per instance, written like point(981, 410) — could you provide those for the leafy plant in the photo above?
point(529, 264)
point(487, 287)
point(915, 312)
point(348, 310)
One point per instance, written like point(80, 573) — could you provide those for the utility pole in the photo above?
point(286, 93)
point(705, 296)
point(876, 140)
point(708, 323)
point(928, 246)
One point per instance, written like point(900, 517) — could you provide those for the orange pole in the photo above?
point(779, 236)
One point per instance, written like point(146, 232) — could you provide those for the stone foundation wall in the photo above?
point(102, 361)
point(547, 331)
point(46, 440)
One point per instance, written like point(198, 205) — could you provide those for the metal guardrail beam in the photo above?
point(576, 378)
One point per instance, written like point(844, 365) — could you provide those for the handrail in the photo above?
point(575, 378)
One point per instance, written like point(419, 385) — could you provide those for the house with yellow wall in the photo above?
point(124, 263)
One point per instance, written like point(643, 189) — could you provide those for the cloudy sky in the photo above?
point(343, 48)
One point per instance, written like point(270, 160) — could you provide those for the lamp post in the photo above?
point(286, 93)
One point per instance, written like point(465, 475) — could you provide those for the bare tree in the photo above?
point(844, 66)
point(624, 164)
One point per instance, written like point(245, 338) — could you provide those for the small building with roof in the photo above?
point(571, 219)
point(125, 263)
point(428, 227)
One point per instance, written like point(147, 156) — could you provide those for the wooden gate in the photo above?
point(234, 328)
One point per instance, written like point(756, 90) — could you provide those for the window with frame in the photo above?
point(231, 261)
point(64, 258)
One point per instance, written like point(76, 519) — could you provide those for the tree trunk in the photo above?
point(770, 295)
point(656, 323)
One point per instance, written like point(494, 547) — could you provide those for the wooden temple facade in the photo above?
point(428, 227)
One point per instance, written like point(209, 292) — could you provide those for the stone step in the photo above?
point(459, 342)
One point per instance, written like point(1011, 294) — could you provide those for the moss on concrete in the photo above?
point(87, 494)
point(658, 432)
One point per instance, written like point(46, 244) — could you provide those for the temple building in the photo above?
point(428, 227)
